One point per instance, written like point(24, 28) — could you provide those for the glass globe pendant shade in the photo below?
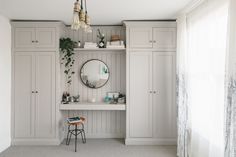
point(82, 18)
point(76, 20)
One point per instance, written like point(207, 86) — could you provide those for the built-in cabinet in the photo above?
point(34, 94)
point(151, 110)
point(34, 38)
point(148, 37)
point(35, 69)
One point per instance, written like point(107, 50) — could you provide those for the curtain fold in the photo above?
point(230, 108)
point(182, 93)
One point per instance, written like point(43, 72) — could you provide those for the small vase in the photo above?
point(101, 44)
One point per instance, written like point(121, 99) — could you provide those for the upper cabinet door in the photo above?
point(164, 39)
point(24, 38)
point(45, 38)
point(140, 37)
point(140, 104)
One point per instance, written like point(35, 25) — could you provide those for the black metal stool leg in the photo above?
point(67, 138)
point(76, 133)
point(70, 137)
point(83, 134)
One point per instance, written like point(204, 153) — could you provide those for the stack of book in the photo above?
point(74, 120)
point(116, 44)
point(90, 45)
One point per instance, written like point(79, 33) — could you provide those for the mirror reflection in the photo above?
point(94, 73)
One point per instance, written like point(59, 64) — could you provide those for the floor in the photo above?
point(93, 148)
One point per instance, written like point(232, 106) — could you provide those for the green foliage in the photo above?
point(67, 57)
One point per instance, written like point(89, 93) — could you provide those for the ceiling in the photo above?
point(102, 12)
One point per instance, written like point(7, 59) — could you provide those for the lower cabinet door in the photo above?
point(164, 109)
point(23, 118)
point(45, 95)
point(140, 105)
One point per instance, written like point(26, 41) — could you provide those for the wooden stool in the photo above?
point(76, 131)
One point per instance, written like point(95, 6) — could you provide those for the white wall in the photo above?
point(5, 83)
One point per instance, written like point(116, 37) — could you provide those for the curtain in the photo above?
point(201, 56)
point(182, 89)
point(230, 127)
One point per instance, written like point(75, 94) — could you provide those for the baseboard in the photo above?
point(103, 135)
point(150, 141)
point(36, 142)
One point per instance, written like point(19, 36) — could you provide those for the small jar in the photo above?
point(79, 44)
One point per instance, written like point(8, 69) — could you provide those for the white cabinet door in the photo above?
point(140, 37)
point(45, 96)
point(23, 96)
point(164, 109)
point(45, 38)
point(164, 39)
point(140, 105)
point(24, 38)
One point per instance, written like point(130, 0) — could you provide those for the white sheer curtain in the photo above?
point(230, 129)
point(204, 56)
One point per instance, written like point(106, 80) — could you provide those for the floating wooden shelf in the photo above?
point(100, 49)
point(92, 106)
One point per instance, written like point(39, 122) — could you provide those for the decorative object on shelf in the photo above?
point(115, 42)
point(81, 18)
point(121, 99)
point(115, 38)
point(65, 98)
point(107, 99)
point(78, 44)
point(76, 98)
point(101, 43)
point(114, 98)
point(67, 57)
point(94, 73)
point(90, 45)
point(92, 100)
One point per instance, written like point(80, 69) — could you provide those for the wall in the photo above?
point(5, 83)
point(100, 124)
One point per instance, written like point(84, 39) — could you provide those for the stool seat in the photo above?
point(78, 123)
point(76, 131)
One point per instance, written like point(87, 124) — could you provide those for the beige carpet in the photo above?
point(93, 148)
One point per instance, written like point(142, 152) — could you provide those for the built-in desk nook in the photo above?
point(92, 106)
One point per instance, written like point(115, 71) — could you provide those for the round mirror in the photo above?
point(94, 73)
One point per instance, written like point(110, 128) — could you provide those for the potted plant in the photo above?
point(67, 58)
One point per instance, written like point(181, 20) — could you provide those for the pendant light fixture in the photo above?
point(80, 17)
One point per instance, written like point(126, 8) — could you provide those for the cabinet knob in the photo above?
point(36, 41)
point(154, 41)
point(36, 91)
point(32, 91)
point(150, 41)
point(150, 92)
point(154, 92)
point(32, 41)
